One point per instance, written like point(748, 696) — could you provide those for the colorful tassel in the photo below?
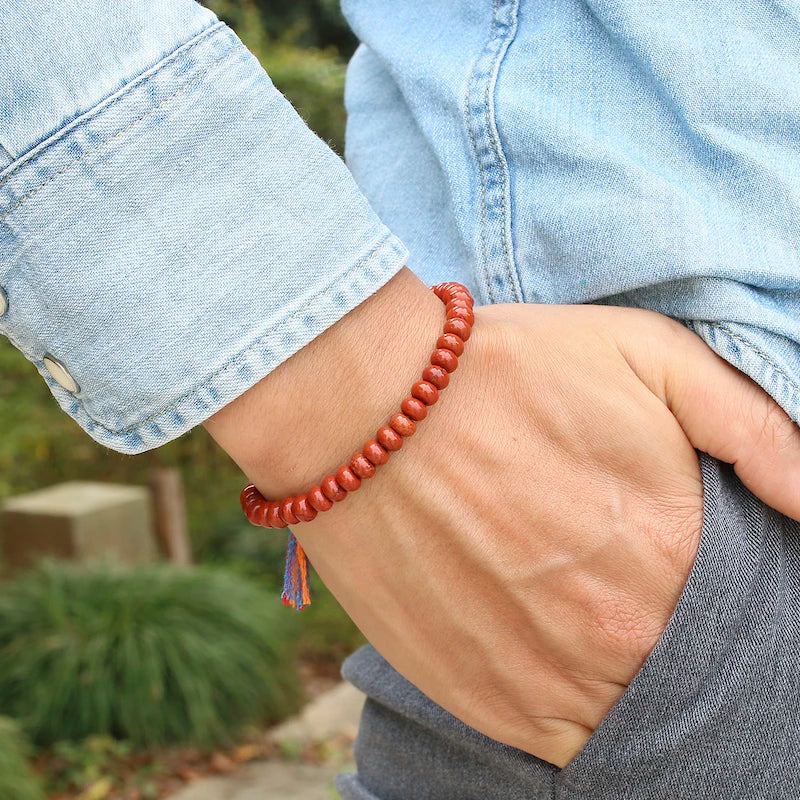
point(295, 580)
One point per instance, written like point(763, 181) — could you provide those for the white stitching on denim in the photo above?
point(42, 147)
point(94, 149)
point(495, 139)
point(468, 113)
point(494, 147)
point(233, 361)
point(793, 385)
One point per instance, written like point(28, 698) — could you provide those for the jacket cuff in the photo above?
point(176, 242)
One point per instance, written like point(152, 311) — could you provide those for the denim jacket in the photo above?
point(170, 230)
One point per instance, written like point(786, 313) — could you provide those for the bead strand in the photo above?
point(363, 465)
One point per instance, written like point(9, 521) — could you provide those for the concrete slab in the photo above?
point(333, 716)
point(266, 780)
point(334, 713)
point(78, 520)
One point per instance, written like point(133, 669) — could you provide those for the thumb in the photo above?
point(725, 414)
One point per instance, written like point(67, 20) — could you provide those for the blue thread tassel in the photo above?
point(295, 579)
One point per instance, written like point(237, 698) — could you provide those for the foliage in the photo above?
point(293, 43)
point(16, 780)
point(86, 763)
point(308, 24)
point(326, 634)
point(153, 654)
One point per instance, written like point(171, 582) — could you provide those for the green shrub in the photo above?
point(313, 80)
point(300, 51)
point(16, 780)
point(153, 655)
point(325, 634)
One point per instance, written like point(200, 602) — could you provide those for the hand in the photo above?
point(521, 555)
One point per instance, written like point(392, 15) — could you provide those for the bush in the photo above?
point(298, 45)
point(16, 780)
point(154, 655)
point(326, 635)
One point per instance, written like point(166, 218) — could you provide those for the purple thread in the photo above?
point(292, 586)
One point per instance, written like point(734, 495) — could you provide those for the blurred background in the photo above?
point(128, 680)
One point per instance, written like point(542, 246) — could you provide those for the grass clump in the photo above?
point(154, 655)
point(17, 782)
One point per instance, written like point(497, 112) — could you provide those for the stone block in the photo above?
point(81, 521)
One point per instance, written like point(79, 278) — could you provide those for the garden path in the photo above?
point(323, 731)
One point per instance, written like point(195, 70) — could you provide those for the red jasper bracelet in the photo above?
point(363, 465)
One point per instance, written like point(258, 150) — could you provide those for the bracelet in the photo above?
point(375, 453)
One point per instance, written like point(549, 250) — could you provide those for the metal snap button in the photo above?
point(60, 374)
point(3, 301)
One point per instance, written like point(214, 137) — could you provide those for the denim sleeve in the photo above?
point(170, 230)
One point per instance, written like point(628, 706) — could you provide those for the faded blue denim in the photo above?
point(171, 231)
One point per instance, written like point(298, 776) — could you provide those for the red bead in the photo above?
point(437, 376)
point(446, 359)
point(403, 425)
point(260, 514)
point(273, 518)
point(460, 311)
point(426, 392)
point(375, 453)
point(464, 297)
point(460, 327)
point(389, 438)
point(332, 490)
point(317, 500)
point(362, 466)
point(449, 341)
point(287, 514)
point(248, 493)
point(249, 507)
point(414, 408)
point(302, 509)
point(347, 479)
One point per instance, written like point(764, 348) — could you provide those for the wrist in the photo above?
point(314, 410)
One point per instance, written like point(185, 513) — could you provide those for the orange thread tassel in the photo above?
point(295, 580)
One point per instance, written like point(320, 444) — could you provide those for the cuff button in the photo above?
point(59, 373)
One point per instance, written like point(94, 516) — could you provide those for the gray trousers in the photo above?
point(713, 713)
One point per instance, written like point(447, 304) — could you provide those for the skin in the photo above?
point(519, 558)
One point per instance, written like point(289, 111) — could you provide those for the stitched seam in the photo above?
point(241, 354)
point(793, 385)
point(40, 149)
point(119, 133)
point(482, 170)
point(499, 155)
